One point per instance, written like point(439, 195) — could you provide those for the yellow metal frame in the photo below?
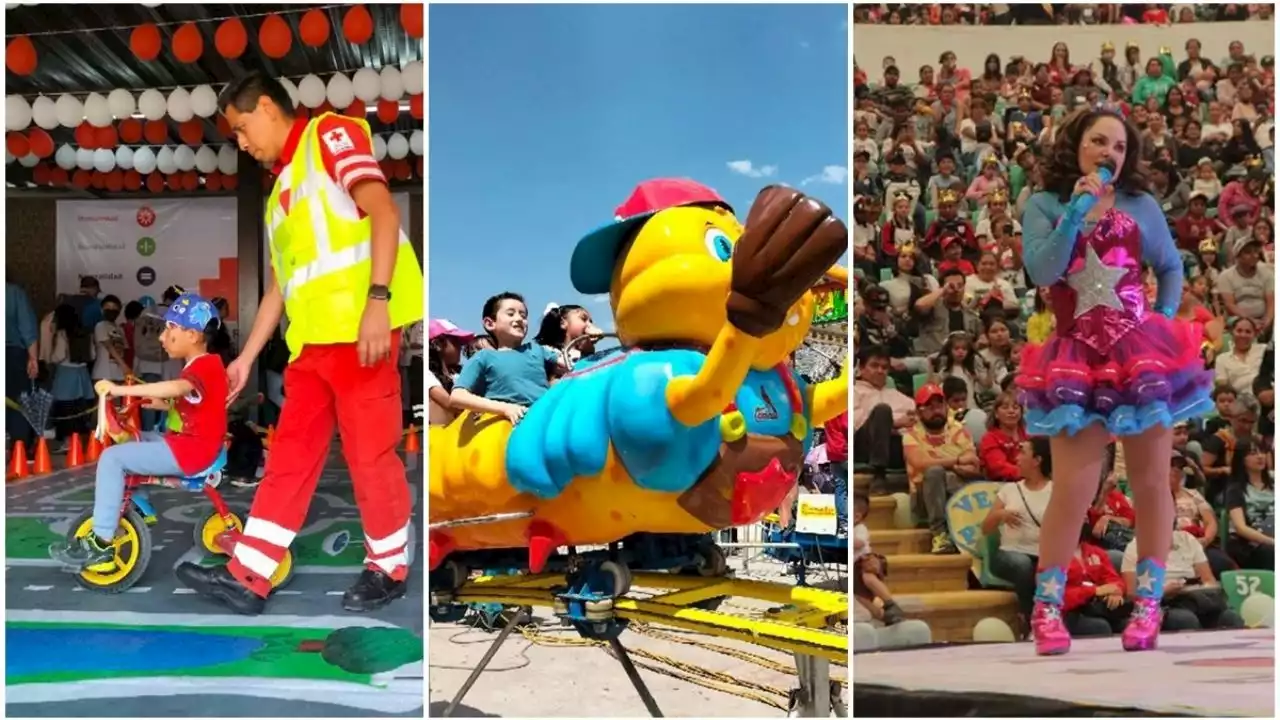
point(807, 629)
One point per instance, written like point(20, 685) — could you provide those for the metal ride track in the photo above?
point(807, 627)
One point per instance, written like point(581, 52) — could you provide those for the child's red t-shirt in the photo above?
point(203, 413)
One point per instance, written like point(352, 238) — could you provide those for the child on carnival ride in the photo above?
point(1115, 363)
point(199, 398)
point(506, 379)
point(562, 326)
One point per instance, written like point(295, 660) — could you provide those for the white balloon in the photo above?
point(311, 91)
point(206, 160)
point(8, 157)
point(124, 157)
point(398, 147)
point(368, 84)
point(179, 105)
point(29, 160)
point(69, 111)
point(84, 159)
point(65, 158)
point(379, 148)
point(416, 141)
point(291, 89)
point(96, 110)
point(165, 162)
point(104, 160)
point(390, 83)
point(204, 101)
point(228, 160)
point(339, 91)
point(412, 76)
point(45, 112)
point(144, 160)
point(121, 103)
point(17, 113)
point(184, 158)
point(152, 105)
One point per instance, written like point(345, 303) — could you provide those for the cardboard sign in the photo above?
point(816, 514)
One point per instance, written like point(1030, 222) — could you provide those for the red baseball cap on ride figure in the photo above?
point(928, 392)
point(591, 268)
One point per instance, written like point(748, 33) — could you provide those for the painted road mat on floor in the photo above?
point(159, 650)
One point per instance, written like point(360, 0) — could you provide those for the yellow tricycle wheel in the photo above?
point(284, 571)
point(207, 532)
point(132, 553)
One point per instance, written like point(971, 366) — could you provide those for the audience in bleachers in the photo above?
point(943, 169)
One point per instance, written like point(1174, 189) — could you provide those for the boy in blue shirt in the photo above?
point(508, 378)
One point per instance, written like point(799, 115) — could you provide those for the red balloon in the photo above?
point(59, 177)
point(131, 131)
point(388, 111)
point(174, 181)
point(156, 131)
point(192, 131)
point(98, 180)
point(357, 26)
point(415, 106)
point(274, 37)
point(411, 19)
point(155, 182)
point(188, 43)
point(87, 136)
point(356, 109)
point(213, 181)
point(81, 179)
point(314, 28)
point(231, 38)
point(20, 56)
point(145, 42)
point(41, 143)
point(17, 144)
point(190, 180)
point(105, 137)
point(40, 174)
point(115, 180)
point(229, 182)
point(132, 180)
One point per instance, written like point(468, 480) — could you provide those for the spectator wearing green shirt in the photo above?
point(1154, 84)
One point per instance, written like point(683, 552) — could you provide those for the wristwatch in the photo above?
point(379, 292)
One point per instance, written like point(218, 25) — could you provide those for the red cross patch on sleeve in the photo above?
point(338, 141)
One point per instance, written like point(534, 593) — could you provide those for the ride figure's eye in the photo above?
point(719, 244)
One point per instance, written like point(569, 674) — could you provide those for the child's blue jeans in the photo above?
point(148, 456)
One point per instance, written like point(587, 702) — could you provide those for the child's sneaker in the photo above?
point(942, 545)
point(85, 553)
point(1048, 630)
point(1144, 625)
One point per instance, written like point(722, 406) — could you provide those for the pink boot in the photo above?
point(1047, 628)
point(1144, 625)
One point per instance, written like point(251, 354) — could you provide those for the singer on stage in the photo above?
point(1114, 366)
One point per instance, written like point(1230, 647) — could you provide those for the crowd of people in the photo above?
point(1056, 13)
point(945, 171)
point(94, 336)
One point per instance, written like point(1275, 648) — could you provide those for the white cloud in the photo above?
point(600, 299)
point(745, 167)
point(830, 175)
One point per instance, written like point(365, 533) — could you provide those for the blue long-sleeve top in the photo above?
point(20, 329)
point(1047, 250)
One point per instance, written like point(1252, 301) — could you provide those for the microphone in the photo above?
point(1082, 204)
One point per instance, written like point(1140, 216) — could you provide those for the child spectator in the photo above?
point(1195, 227)
point(1093, 603)
point(949, 223)
point(870, 569)
point(1206, 181)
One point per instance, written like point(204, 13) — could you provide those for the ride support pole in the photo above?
point(814, 675)
point(634, 676)
point(484, 662)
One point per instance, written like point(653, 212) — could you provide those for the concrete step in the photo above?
point(900, 542)
point(880, 514)
point(952, 615)
point(861, 483)
point(921, 573)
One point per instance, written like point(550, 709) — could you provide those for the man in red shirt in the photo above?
point(348, 279)
point(838, 456)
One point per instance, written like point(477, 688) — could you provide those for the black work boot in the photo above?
point(218, 583)
point(371, 591)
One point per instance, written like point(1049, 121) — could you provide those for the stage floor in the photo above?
point(1215, 673)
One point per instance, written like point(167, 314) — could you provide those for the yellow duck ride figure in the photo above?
point(697, 423)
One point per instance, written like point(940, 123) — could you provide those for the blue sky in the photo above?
point(544, 117)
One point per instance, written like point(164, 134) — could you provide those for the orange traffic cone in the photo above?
point(18, 461)
point(44, 463)
point(95, 448)
point(75, 452)
point(411, 444)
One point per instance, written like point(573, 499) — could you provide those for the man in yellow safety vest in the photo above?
point(347, 278)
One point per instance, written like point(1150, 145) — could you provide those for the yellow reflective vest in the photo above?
point(321, 253)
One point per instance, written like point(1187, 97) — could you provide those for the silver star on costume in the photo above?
point(1147, 581)
point(1050, 587)
point(1095, 284)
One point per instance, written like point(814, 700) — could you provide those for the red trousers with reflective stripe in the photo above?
point(325, 387)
